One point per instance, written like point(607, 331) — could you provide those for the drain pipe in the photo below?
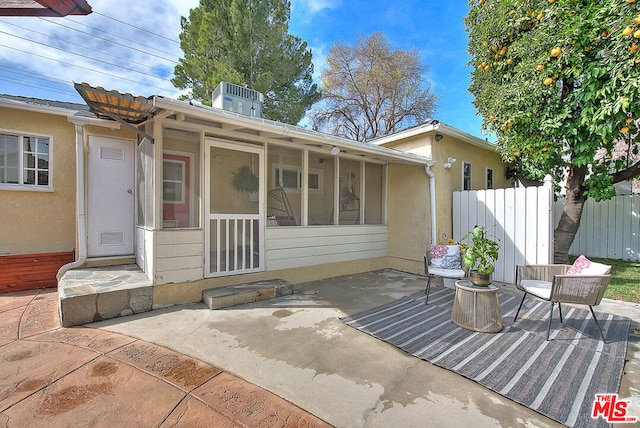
point(81, 229)
point(432, 197)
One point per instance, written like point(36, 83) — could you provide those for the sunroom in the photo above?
point(221, 197)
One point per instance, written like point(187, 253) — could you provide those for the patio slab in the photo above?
point(297, 348)
point(62, 377)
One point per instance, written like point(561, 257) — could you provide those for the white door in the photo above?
point(234, 225)
point(110, 222)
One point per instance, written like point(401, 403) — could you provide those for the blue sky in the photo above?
point(107, 52)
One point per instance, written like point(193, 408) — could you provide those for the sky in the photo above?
point(134, 48)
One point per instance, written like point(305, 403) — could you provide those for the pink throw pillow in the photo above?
point(584, 266)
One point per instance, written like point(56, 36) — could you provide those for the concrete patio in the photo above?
point(297, 348)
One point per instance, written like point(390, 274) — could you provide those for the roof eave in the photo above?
point(269, 126)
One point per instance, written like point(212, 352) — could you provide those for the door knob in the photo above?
point(130, 192)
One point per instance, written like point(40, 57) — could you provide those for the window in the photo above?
point(24, 160)
point(489, 178)
point(292, 178)
point(466, 176)
point(173, 184)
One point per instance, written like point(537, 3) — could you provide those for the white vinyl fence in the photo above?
point(520, 218)
point(608, 229)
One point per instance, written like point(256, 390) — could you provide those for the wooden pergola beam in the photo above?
point(50, 8)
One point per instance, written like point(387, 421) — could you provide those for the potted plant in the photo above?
point(480, 256)
point(244, 180)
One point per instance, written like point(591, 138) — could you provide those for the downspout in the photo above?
point(432, 197)
point(81, 230)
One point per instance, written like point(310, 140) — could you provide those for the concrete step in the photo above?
point(232, 295)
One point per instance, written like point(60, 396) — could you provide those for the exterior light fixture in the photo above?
point(439, 137)
point(449, 162)
point(335, 150)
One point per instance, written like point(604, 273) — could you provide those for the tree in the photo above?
point(370, 90)
point(246, 42)
point(557, 82)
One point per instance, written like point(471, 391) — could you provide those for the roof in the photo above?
point(55, 8)
point(133, 110)
point(48, 106)
point(434, 126)
point(111, 104)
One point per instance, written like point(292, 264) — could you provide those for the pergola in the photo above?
point(51, 8)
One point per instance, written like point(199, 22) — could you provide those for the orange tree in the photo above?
point(558, 83)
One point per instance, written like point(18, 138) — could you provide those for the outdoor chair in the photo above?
point(582, 283)
point(279, 208)
point(442, 261)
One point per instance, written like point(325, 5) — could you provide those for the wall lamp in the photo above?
point(439, 137)
point(335, 150)
point(449, 162)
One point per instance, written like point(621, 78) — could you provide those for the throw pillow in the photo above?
point(584, 266)
point(445, 256)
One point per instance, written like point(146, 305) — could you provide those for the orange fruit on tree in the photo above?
point(630, 1)
point(509, 60)
point(624, 130)
point(556, 51)
point(548, 81)
point(633, 47)
point(629, 120)
point(540, 67)
point(637, 20)
point(627, 31)
point(637, 34)
point(540, 16)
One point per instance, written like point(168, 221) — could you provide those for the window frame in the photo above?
point(21, 135)
point(298, 170)
point(182, 182)
point(466, 178)
point(489, 179)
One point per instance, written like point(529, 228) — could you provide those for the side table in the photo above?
point(476, 308)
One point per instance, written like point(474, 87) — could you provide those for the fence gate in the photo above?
point(520, 218)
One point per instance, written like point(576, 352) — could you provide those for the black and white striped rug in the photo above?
point(557, 378)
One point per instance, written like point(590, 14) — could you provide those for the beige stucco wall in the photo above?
point(41, 221)
point(408, 216)
point(450, 180)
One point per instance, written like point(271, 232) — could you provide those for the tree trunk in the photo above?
point(569, 222)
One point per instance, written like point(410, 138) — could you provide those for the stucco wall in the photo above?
point(41, 221)
point(449, 180)
point(408, 216)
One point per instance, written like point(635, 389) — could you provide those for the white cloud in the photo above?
point(314, 6)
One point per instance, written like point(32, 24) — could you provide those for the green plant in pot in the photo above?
point(480, 256)
point(244, 180)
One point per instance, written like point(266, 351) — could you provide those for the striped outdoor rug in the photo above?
point(558, 378)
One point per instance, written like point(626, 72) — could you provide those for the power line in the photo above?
point(84, 68)
point(56, 22)
point(68, 43)
point(86, 57)
point(34, 74)
point(37, 86)
point(137, 28)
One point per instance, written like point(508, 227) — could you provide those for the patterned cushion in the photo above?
point(584, 266)
point(445, 256)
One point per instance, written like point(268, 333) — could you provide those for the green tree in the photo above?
point(246, 42)
point(558, 83)
point(370, 90)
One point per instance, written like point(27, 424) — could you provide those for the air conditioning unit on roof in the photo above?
point(238, 99)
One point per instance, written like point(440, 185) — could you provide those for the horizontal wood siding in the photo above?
point(179, 256)
point(293, 247)
point(29, 271)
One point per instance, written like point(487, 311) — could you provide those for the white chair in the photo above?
point(582, 283)
point(442, 261)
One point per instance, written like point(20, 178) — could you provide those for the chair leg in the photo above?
point(550, 319)
point(519, 307)
point(593, 314)
point(426, 291)
point(560, 311)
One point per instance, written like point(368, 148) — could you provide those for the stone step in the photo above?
point(232, 295)
point(108, 261)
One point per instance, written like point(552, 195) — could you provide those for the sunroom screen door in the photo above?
point(234, 242)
